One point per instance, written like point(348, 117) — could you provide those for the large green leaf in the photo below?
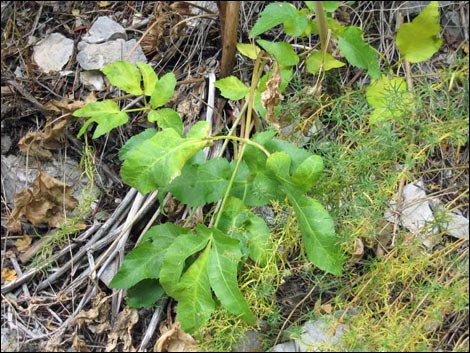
point(146, 259)
point(201, 184)
point(125, 76)
point(283, 52)
point(141, 263)
point(175, 258)
point(134, 141)
point(358, 52)
point(158, 160)
point(232, 88)
point(194, 296)
point(222, 268)
point(149, 77)
point(144, 294)
point(163, 90)
point(274, 14)
point(167, 118)
point(106, 114)
point(318, 233)
point(417, 41)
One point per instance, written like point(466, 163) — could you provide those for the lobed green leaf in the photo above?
point(158, 160)
point(167, 118)
point(318, 233)
point(125, 76)
point(201, 184)
point(134, 141)
point(106, 114)
point(144, 294)
point(222, 268)
point(163, 90)
point(194, 296)
point(149, 77)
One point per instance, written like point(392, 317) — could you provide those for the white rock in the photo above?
point(93, 80)
point(456, 226)
point(53, 52)
point(96, 56)
point(318, 333)
point(415, 213)
point(104, 29)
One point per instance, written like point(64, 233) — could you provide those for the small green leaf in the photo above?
point(144, 294)
point(295, 26)
point(283, 52)
point(274, 14)
point(175, 258)
point(390, 99)
point(232, 88)
point(194, 296)
point(358, 52)
point(135, 141)
point(201, 184)
point(249, 50)
point(308, 172)
point(315, 60)
point(163, 90)
point(279, 163)
point(149, 77)
point(318, 233)
point(252, 232)
point(200, 130)
point(106, 114)
point(125, 76)
point(222, 268)
point(167, 118)
point(158, 160)
point(417, 41)
point(331, 6)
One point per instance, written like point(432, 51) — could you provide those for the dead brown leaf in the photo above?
point(23, 243)
point(174, 339)
point(8, 275)
point(43, 204)
point(271, 97)
point(122, 330)
point(64, 106)
point(40, 143)
point(97, 318)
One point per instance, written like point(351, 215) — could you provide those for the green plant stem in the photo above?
point(259, 63)
point(322, 26)
point(241, 139)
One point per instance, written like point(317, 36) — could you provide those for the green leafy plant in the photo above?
point(193, 265)
point(199, 267)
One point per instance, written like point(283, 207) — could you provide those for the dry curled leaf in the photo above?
point(64, 106)
point(23, 243)
point(271, 97)
point(174, 339)
point(122, 330)
point(40, 143)
point(8, 275)
point(43, 204)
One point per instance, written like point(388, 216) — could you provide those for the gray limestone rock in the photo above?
point(96, 56)
point(53, 52)
point(104, 29)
